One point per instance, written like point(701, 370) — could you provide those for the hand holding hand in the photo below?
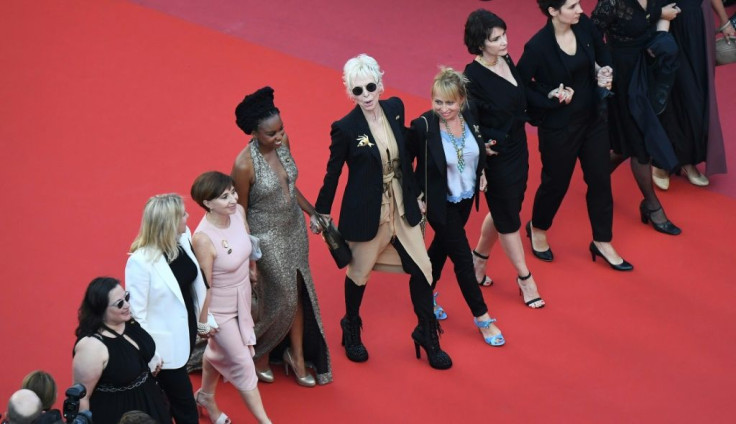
point(489, 151)
point(314, 225)
point(670, 11)
point(605, 77)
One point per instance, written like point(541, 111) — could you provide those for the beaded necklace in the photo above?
point(458, 145)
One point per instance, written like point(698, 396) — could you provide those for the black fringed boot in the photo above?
point(426, 335)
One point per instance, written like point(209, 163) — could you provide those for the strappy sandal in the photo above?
point(485, 281)
point(496, 340)
point(537, 302)
point(439, 313)
point(203, 401)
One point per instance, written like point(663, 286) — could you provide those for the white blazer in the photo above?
point(157, 304)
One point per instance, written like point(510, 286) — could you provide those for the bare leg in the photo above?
point(606, 248)
point(514, 250)
point(488, 237)
point(252, 399)
point(489, 331)
point(296, 337)
point(206, 394)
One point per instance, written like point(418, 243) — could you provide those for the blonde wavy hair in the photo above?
point(451, 84)
point(159, 226)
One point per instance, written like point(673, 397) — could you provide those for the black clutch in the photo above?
point(337, 246)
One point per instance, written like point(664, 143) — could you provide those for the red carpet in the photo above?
point(106, 103)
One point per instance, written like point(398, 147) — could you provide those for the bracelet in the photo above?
point(203, 328)
point(724, 26)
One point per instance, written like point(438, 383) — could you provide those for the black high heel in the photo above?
point(623, 266)
point(666, 227)
point(354, 348)
point(547, 255)
point(426, 335)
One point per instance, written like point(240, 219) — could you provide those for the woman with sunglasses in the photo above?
point(451, 156)
point(496, 88)
point(380, 212)
point(168, 292)
point(223, 249)
point(112, 356)
point(265, 177)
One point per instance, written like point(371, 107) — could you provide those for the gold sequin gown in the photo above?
point(278, 221)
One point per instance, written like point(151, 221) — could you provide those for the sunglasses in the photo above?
point(119, 304)
point(370, 87)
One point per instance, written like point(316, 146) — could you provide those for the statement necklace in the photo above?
point(459, 145)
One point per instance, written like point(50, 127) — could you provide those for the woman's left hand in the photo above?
point(605, 77)
point(483, 183)
point(728, 31)
point(253, 273)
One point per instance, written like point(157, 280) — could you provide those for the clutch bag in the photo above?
point(725, 51)
point(255, 253)
point(337, 245)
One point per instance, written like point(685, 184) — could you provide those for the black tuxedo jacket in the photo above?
point(361, 203)
point(542, 69)
point(435, 186)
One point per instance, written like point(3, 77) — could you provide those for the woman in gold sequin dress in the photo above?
point(265, 178)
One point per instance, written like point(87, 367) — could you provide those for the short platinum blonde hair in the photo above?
point(451, 84)
point(160, 226)
point(361, 65)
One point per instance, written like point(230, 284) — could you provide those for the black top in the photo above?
point(544, 66)
point(625, 22)
point(126, 382)
point(582, 101)
point(185, 271)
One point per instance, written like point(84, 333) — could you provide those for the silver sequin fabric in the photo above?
point(276, 218)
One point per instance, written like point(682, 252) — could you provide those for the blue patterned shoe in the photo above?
point(439, 313)
point(496, 340)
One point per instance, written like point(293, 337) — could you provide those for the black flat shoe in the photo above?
point(547, 255)
point(623, 266)
point(666, 227)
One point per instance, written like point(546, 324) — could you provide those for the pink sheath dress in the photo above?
point(230, 298)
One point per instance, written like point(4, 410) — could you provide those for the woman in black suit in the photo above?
point(451, 157)
point(380, 208)
point(560, 67)
point(496, 88)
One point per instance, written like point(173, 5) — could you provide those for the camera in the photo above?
point(72, 414)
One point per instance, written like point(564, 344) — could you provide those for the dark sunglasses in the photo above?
point(119, 304)
point(370, 87)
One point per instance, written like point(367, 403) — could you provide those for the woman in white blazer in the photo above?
point(167, 296)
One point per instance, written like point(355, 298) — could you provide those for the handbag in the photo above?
point(337, 245)
point(255, 252)
point(725, 50)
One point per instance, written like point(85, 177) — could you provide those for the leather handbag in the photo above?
point(337, 245)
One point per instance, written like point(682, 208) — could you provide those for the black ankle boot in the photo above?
point(354, 348)
point(426, 335)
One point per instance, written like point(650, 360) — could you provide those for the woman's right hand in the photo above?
point(562, 93)
point(670, 11)
point(489, 150)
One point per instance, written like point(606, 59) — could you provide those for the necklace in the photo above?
point(486, 64)
point(224, 242)
point(459, 145)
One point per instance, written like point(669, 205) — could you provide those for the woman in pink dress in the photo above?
point(222, 247)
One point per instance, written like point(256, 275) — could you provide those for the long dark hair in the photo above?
point(93, 306)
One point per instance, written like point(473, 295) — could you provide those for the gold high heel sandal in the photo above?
point(306, 381)
point(203, 401)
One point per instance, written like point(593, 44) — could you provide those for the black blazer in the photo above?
point(542, 69)
point(361, 203)
point(421, 132)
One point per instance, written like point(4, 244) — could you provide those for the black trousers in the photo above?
point(178, 389)
point(451, 241)
point(559, 149)
point(419, 288)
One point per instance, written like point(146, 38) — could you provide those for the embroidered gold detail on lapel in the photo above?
point(364, 141)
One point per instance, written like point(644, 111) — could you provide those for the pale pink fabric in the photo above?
point(230, 298)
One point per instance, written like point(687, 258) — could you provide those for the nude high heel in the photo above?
point(306, 381)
